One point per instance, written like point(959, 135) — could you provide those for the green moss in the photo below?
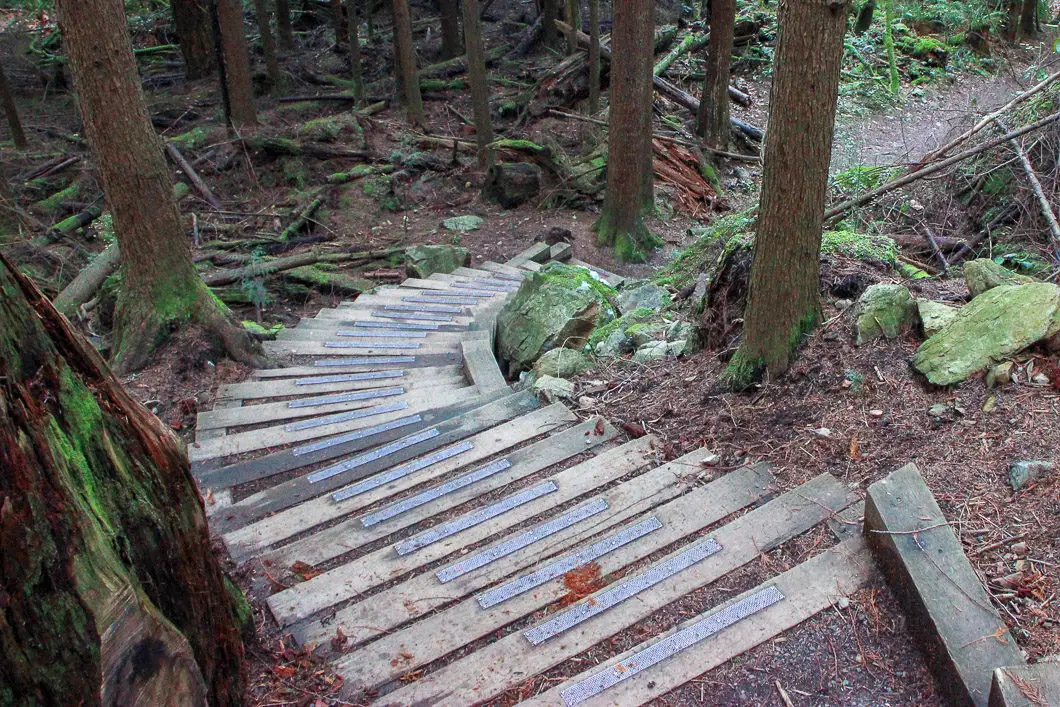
point(294, 171)
point(710, 241)
point(332, 127)
point(191, 140)
point(358, 172)
point(860, 246)
point(708, 172)
point(625, 324)
point(54, 203)
point(573, 277)
point(741, 373)
point(243, 611)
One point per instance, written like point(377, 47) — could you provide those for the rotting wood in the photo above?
point(303, 219)
point(83, 287)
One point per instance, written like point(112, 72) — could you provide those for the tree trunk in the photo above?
point(268, 44)
point(451, 45)
point(714, 107)
point(356, 70)
point(405, 63)
point(191, 18)
point(574, 19)
point(1029, 18)
point(236, 63)
point(112, 593)
point(784, 292)
point(549, 14)
point(342, 29)
point(630, 189)
point(283, 25)
point(18, 136)
point(865, 16)
point(161, 289)
point(594, 57)
point(477, 77)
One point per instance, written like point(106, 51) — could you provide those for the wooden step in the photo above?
point(496, 270)
point(411, 379)
point(480, 365)
point(537, 253)
point(353, 347)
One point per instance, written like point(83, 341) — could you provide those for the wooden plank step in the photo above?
point(278, 435)
point(441, 633)
point(403, 301)
point(531, 266)
point(950, 610)
point(412, 379)
point(353, 578)
point(348, 315)
point(487, 281)
point(561, 252)
point(651, 669)
point(510, 660)
point(326, 544)
point(465, 418)
point(335, 347)
point(364, 335)
point(323, 404)
point(480, 365)
point(537, 253)
point(609, 277)
point(504, 271)
point(356, 364)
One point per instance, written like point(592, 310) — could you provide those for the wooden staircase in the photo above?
point(437, 517)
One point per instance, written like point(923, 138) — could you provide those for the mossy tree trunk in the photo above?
point(594, 57)
point(18, 135)
point(713, 119)
point(549, 14)
point(236, 63)
point(451, 44)
point(405, 64)
point(283, 25)
point(111, 591)
point(630, 188)
point(161, 289)
point(479, 80)
point(784, 292)
point(356, 69)
point(268, 43)
point(865, 17)
point(342, 28)
point(191, 18)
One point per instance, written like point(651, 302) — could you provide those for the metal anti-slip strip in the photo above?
point(349, 377)
point(495, 286)
point(398, 472)
point(441, 300)
point(357, 434)
point(377, 453)
point(565, 564)
point(663, 649)
point(345, 416)
point(440, 532)
point(346, 397)
point(415, 326)
point(395, 509)
point(540, 532)
point(414, 315)
point(382, 333)
point(464, 292)
point(598, 603)
point(443, 308)
point(364, 361)
point(371, 345)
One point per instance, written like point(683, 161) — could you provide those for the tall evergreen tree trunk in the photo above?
point(111, 592)
point(191, 18)
point(451, 45)
point(342, 29)
point(594, 57)
point(283, 25)
point(405, 63)
point(549, 15)
point(783, 300)
point(1029, 18)
point(477, 77)
point(865, 16)
point(236, 63)
point(356, 70)
point(161, 289)
point(268, 44)
point(713, 116)
point(14, 124)
point(574, 19)
point(630, 188)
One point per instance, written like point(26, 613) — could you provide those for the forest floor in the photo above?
point(874, 409)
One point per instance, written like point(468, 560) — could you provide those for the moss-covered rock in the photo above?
point(551, 388)
point(330, 128)
point(645, 296)
point(883, 310)
point(989, 329)
point(562, 363)
point(463, 224)
point(557, 307)
point(983, 274)
point(512, 184)
point(860, 246)
point(934, 316)
point(425, 260)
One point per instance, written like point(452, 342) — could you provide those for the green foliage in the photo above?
point(254, 287)
point(709, 242)
point(1015, 258)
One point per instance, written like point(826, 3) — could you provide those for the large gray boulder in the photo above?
point(884, 310)
point(424, 260)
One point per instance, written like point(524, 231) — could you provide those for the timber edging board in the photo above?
point(961, 634)
point(1026, 686)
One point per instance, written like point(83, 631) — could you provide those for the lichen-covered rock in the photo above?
point(883, 310)
point(1023, 472)
point(983, 274)
point(616, 343)
point(551, 388)
point(646, 296)
point(424, 260)
point(557, 307)
point(934, 316)
point(648, 331)
point(989, 329)
point(463, 224)
point(651, 351)
point(512, 184)
point(562, 363)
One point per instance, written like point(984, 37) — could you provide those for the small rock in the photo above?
point(562, 363)
point(614, 345)
point(843, 304)
point(1023, 472)
point(1000, 374)
point(843, 602)
point(822, 432)
point(647, 296)
point(463, 224)
point(990, 404)
point(1040, 379)
point(934, 316)
point(876, 413)
point(1020, 549)
point(551, 388)
point(939, 410)
point(425, 260)
point(884, 310)
point(512, 184)
point(651, 351)
point(586, 403)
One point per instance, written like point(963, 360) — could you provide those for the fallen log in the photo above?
point(192, 175)
point(302, 219)
point(271, 267)
point(293, 148)
point(83, 287)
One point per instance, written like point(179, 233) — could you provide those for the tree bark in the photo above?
point(865, 16)
point(713, 118)
point(283, 25)
point(236, 63)
point(268, 44)
point(479, 81)
point(549, 14)
point(405, 63)
point(784, 293)
point(161, 289)
point(451, 45)
point(84, 287)
point(594, 57)
point(630, 188)
point(18, 135)
point(342, 28)
point(356, 69)
point(574, 19)
point(191, 18)
point(1029, 18)
point(112, 593)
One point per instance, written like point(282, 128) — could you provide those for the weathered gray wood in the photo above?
point(961, 632)
point(489, 280)
point(849, 523)
point(373, 569)
point(493, 668)
point(481, 367)
point(537, 253)
point(354, 347)
point(412, 379)
point(1017, 685)
point(419, 360)
point(231, 402)
point(439, 634)
point(808, 588)
point(561, 252)
point(361, 335)
point(608, 277)
point(348, 315)
point(496, 270)
point(530, 265)
point(332, 542)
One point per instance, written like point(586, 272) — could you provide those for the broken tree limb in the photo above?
point(529, 37)
point(689, 43)
point(1039, 193)
point(927, 170)
point(935, 250)
point(293, 148)
point(669, 90)
point(302, 219)
point(270, 267)
point(192, 175)
point(83, 287)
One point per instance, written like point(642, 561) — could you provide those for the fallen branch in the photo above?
point(270, 267)
point(83, 287)
point(936, 167)
point(302, 220)
point(1036, 185)
point(929, 235)
point(192, 175)
point(52, 167)
point(689, 43)
point(293, 148)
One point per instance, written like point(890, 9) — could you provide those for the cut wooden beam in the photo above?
point(504, 271)
point(960, 632)
point(353, 347)
point(481, 367)
point(537, 253)
point(362, 363)
point(1026, 686)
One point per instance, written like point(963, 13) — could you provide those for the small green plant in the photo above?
point(254, 286)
